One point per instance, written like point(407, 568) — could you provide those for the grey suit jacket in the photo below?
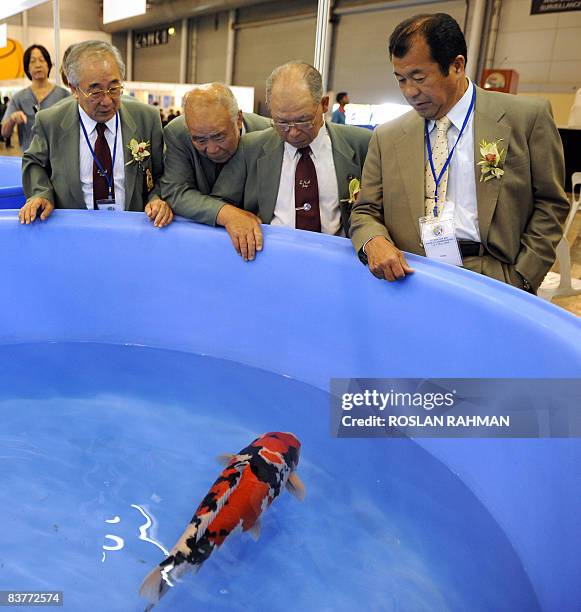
point(187, 178)
point(50, 166)
point(251, 178)
point(520, 215)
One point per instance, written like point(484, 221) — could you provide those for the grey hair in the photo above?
point(310, 75)
point(213, 93)
point(80, 51)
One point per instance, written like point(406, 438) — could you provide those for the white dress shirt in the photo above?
point(86, 158)
point(322, 156)
point(461, 190)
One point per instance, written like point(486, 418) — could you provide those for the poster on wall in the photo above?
point(539, 7)
point(11, 66)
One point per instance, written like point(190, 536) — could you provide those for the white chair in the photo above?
point(561, 285)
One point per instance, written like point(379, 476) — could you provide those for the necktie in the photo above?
point(307, 214)
point(103, 154)
point(439, 157)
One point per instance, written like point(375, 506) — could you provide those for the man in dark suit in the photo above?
point(198, 144)
point(295, 174)
point(100, 150)
point(503, 187)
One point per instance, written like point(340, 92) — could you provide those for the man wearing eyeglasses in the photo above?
point(198, 145)
point(101, 150)
point(295, 174)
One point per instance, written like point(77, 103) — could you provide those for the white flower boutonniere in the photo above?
point(354, 189)
point(492, 160)
point(139, 152)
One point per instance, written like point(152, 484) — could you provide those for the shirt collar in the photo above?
point(458, 112)
point(316, 146)
point(91, 124)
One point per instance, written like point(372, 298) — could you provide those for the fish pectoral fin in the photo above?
point(224, 459)
point(296, 487)
point(255, 531)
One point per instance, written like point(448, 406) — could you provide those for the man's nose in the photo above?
point(212, 147)
point(294, 132)
point(411, 91)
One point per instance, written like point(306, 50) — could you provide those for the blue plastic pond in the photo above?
point(11, 192)
point(131, 357)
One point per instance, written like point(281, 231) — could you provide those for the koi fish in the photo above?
point(250, 482)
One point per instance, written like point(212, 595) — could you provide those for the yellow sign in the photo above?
point(11, 63)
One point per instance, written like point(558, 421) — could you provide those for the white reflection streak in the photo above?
point(119, 543)
point(143, 530)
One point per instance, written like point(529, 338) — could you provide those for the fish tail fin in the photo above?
point(153, 587)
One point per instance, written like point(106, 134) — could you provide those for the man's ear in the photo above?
point(459, 64)
point(325, 104)
point(239, 120)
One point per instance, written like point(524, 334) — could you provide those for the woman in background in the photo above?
point(27, 102)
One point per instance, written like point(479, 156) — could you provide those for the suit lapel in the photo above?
point(128, 130)
point(411, 166)
point(344, 160)
point(269, 169)
point(69, 140)
point(487, 126)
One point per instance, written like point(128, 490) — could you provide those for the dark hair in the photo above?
point(28, 53)
point(340, 96)
point(441, 33)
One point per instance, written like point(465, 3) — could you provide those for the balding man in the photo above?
point(198, 145)
point(295, 174)
point(99, 151)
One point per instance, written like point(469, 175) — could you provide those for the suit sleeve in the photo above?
point(545, 226)
point(180, 187)
point(230, 184)
point(157, 157)
point(36, 168)
point(367, 213)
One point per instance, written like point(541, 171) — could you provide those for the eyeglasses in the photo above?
point(99, 94)
point(303, 126)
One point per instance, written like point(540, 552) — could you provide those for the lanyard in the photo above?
point(438, 179)
point(109, 179)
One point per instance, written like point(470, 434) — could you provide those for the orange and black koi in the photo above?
point(250, 482)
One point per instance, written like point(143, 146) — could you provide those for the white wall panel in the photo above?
point(161, 63)
point(210, 53)
point(529, 43)
point(260, 49)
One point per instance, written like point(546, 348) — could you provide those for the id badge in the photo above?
point(439, 240)
point(108, 204)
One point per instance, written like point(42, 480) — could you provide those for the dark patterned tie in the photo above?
point(307, 212)
point(103, 154)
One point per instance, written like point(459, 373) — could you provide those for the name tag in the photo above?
point(109, 204)
point(439, 240)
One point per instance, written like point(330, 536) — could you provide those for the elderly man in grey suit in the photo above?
point(488, 164)
point(295, 174)
point(198, 145)
point(99, 150)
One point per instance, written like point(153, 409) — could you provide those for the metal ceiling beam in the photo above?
point(176, 10)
